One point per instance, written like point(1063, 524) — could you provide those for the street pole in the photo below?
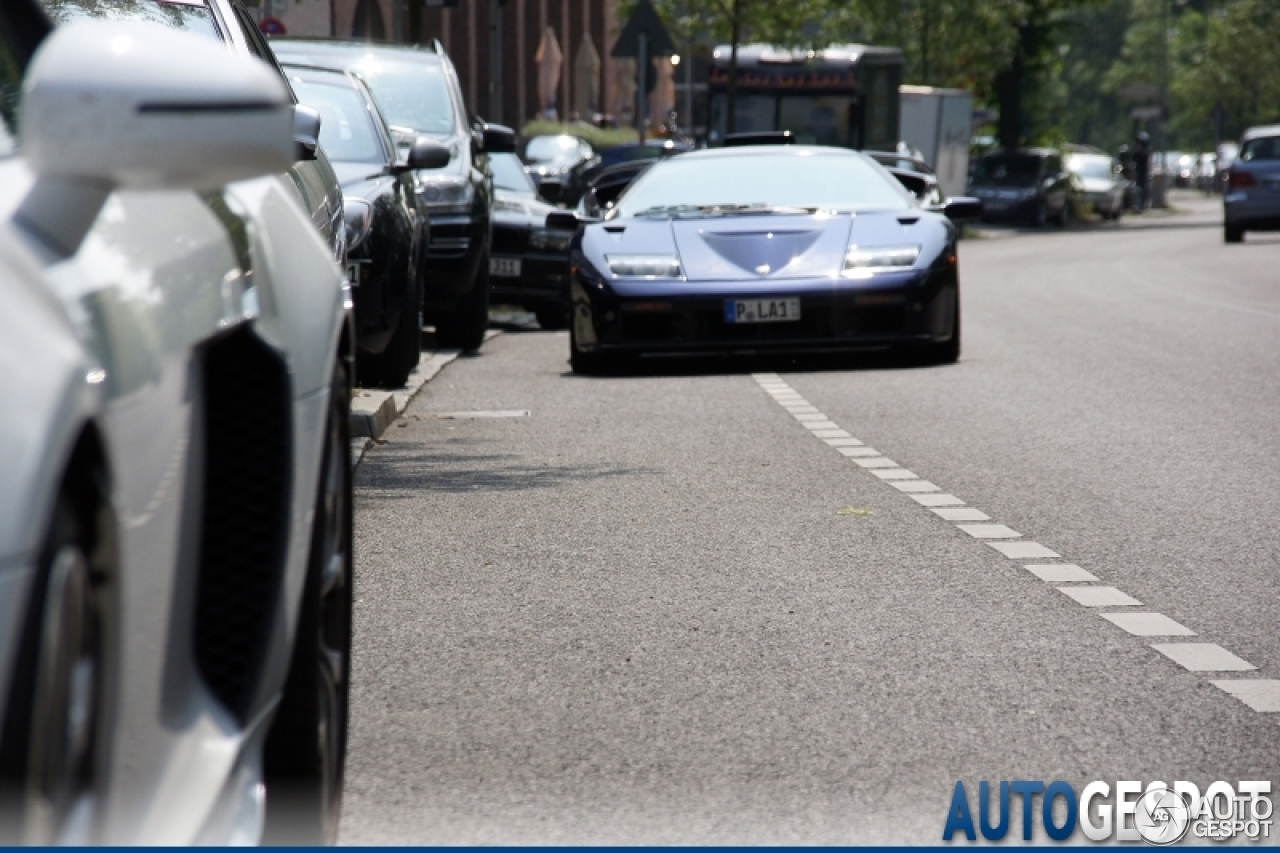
point(642, 85)
point(495, 61)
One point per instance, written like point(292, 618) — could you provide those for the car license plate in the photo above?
point(505, 267)
point(761, 310)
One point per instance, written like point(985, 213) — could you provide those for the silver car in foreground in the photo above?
point(175, 516)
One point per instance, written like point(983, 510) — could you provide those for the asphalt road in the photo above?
point(637, 614)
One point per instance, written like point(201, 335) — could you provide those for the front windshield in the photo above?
point(509, 174)
point(1008, 170)
point(812, 179)
point(1096, 168)
point(560, 150)
point(182, 16)
point(411, 94)
point(347, 133)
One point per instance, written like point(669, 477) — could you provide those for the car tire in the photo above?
point(553, 317)
point(391, 367)
point(948, 352)
point(590, 363)
point(464, 327)
point(304, 758)
point(1064, 215)
point(1232, 234)
point(50, 744)
point(1041, 215)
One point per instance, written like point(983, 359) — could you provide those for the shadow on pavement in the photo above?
point(727, 364)
point(415, 472)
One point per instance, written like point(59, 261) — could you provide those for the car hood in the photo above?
point(517, 208)
point(767, 247)
point(1096, 185)
point(361, 180)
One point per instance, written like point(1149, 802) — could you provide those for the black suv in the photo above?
point(418, 91)
point(1025, 184)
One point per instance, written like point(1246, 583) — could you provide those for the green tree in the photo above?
point(1230, 63)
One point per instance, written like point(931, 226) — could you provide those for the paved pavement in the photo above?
point(661, 608)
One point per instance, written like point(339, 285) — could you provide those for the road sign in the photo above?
point(644, 20)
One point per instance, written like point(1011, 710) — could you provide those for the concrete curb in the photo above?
point(374, 410)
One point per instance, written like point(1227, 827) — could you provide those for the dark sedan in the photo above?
point(585, 173)
point(1252, 200)
point(1028, 185)
point(821, 250)
point(387, 229)
point(530, 263)
point(551, 160)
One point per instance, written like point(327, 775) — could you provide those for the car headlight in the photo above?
point(556, 241)
point(644, 266)
point(864, 263)
point(447, 193)
point(358, 215)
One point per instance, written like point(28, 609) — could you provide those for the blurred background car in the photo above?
point(1207, 172)
point(387, 223)
point(417, 90)
point(1027, 184)
point(608, 186)
point(1252, 200)
point(913, 173)
point(530, 262)
point(1098, 183)
point(582, 175)
point(1227, 152)
point(550, 160)
point(175, 550)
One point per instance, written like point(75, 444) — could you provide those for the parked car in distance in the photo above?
point(1027, 184)
point(387, 224)
point(1252, 200)
point(1098, 183)
point(175, 550)
point(550, 160)
point(417, 90)
point(530, 264)
point(608, 185)
point(1227, 153)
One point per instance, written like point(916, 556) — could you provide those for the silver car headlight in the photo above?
point(556, 241)
point(864, 263)
point(447, 193)
point(644, 266)
point(358, 215)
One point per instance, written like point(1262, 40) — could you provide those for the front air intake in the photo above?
point(245, 514)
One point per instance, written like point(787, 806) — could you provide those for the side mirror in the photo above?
point(962, 209)
point(563, 220)
point(306, 131)
point(426, 154)
point(497, 139)
point(142, 106)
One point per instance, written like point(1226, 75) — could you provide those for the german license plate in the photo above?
point(505, 267)
point(761, 310)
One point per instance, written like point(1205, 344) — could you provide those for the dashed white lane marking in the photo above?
point(858, 451)
point(1260, 694)
point(961, 513)
point(1099, 596)
point(1203, 657)
point(932, 500)
point(913, 485)
point(1024, 550)
point(1148, 624)
point(989, 531)
point(1061, 573)
point(895, 474)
